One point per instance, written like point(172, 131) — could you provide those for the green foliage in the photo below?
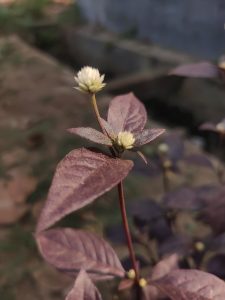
point(6, 294)
point(18, 242)
point(21, 15)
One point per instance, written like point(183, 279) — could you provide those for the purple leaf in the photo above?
point(71, 250)
point(80, 178)
point(175, 244)
point(191, 285)
point(83, 289)
point(148, 216)
point(125, 284)
point(108, 129)
point(202, 70)
point(175, 143)
point(199, 160)
point(181, 199)
point(218, 243)
point(214, 212)
point(146, 136)
point(205, 193)
point(216, 265)
point(92, 135)
point(127, 113)
point(162, 268)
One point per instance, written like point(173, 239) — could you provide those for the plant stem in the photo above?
point(121, 201)
point(127, 230)
point(95, 106)
point(165, 180)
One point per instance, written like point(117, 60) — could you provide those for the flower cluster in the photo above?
point(125, 140)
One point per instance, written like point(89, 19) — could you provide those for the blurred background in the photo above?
point(43, 43)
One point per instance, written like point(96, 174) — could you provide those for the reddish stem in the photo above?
point(127, 230)
point(121, 201)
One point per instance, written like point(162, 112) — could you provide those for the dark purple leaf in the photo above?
point(175, 143)
point(216, 265)
point(191, 285)
point(206, 192)
point(83, 289)
point(160, 230)
point(146, 136)
point(199, 160)
point(218, 243)
point(151, 170)
point(142, 262)
point(71, 250)
point(92, 135)
point(181, 199)
point(80, 178)
point(202, 70)
point(214, 212)
point(148, 217)
point(145, 210)
point(115, 233)
point(127, 113)
point(175, 244)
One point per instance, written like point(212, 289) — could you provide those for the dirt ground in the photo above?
point(37, 105)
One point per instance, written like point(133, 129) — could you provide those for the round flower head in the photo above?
point(125, 139)
point(89, 80)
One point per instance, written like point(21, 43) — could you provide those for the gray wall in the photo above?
point(193, 26)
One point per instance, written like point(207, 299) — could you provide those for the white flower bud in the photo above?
point(163, 148)
point(143, 282)
point(89, 80)
point(131, 274)
point(125, 139)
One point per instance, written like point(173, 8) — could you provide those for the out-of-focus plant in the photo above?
point(20, 15)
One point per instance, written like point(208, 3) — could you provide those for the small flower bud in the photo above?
point(125, 139)
point(131, 274)
point(142, 282)
point(199, 246)
point(163, 148)
point(89, 80)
